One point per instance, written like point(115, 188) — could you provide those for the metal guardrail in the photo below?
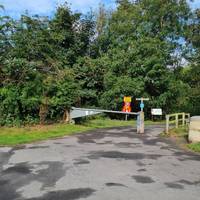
point(178, 119)
point(83, 112)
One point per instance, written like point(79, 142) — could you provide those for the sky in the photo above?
point(15, 8)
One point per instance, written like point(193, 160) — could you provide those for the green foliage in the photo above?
point(33, 72)
point(117, 88)
point(181, 136)
point(90, 74)
point(48, 65)
point(142, 52)
point(191, 76)
point(21, 91)
point(194, 147)
point(63, 93)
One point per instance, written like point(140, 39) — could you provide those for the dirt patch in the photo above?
point(115, 184)
point(122, 155)
point(81, 162)
point(38, 147)
point(141, 170)
point(21, 168)
point(186, 182)
point(143, 179)
point(67, 195)
point(7, 192)
point(51, 175)
point(174, 185)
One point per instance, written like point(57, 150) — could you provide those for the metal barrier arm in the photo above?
point(104, 111)
point(83, 112)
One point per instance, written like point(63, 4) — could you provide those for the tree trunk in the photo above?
point(43, 111)
point(66, 116)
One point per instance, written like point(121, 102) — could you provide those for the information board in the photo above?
point(156, 111)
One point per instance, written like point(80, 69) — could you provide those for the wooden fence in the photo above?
point(176, 120)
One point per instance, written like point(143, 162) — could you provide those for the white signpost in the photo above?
point(140, 117)
point(156, 111)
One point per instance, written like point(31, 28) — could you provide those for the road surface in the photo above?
point(107, 164)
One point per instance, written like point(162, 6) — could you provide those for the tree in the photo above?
point(191, 74)
point(90, 74)
point(21, 92)
point(35, 78)
point(143, 44)
point(48, 65)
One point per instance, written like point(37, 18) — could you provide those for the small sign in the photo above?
point(156, 111)
point(127, 107)
point(142, 105)
point(127, 99)
point(127, 104)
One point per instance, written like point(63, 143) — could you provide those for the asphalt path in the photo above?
point(106, 164)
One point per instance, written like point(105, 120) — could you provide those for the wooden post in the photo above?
point(176, 119)
point(188, 118)
point(167, 124)
point(183, 119)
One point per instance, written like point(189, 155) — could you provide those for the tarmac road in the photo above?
point(107, 164)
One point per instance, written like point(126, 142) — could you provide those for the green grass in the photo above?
point(106, 123)
point(181, 135)
point(194, 147)
point(172, 133)
point(181, 132)
point(15, 136)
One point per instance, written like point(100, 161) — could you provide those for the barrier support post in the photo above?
point(140, 123)
point(176, 119)
point(183, 119)
point(167, 124)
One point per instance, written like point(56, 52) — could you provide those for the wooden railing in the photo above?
point(177, 119)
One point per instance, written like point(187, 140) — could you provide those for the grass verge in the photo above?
point(181, 136)
point(194, 147)
point(15, 136)
point(181, 132)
